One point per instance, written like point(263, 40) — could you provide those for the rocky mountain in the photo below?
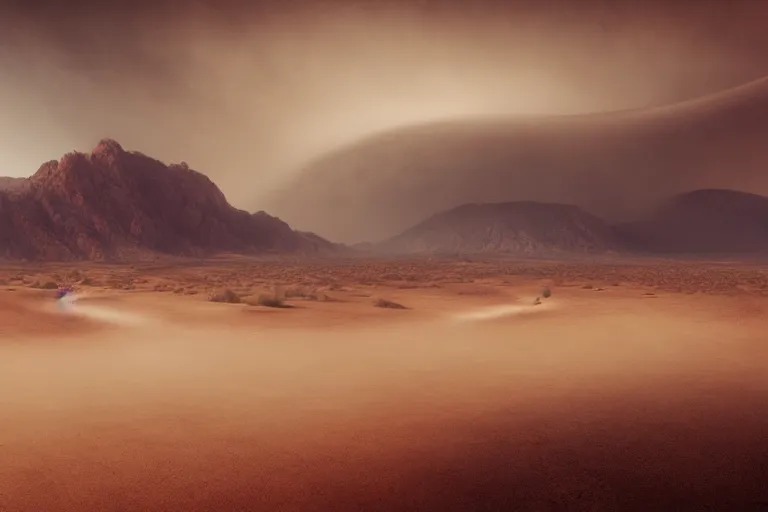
point(521, 228)
point(706, 221)
point(113, 204)
point(616, 165)
point(702, 221)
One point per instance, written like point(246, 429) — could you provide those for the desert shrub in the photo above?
point(307, 294)
point(384, 303)
point(298, 293)
point(226, 296)
point(270, 301)
point(546, 293)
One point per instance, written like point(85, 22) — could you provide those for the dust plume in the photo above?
point(247, 93)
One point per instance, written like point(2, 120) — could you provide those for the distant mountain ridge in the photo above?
point(615, 165)
point(113, 204)
point(708, 221)
point(522, 227)
point(702, 221)
point(13, 184)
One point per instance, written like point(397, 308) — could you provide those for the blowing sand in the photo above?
point(610, 400)
point(505, 310)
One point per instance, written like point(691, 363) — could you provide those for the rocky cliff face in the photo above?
point(113, 204)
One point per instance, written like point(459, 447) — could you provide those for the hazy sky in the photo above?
point(248, 94)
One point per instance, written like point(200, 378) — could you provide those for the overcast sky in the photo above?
point(248, 94)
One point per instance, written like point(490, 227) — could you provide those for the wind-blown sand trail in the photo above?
point(598, 401)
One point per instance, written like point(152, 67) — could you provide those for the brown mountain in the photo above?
point(617, 165)
point(522, 228)
point(702, 221)
point(117, 204)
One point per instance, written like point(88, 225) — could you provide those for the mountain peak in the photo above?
point(115, 204)
point(108, 146)
point(520, 227)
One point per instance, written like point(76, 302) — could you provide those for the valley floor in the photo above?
point(637, 385)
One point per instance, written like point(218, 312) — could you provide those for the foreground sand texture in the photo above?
point(639, 385)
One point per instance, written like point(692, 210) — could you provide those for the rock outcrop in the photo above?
point(113, 204)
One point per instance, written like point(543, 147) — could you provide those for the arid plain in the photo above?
point(637, 385)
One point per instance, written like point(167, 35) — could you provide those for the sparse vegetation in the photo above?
point(308, 294)
point(299, 293)
point(313, 281)
point(388, 304)
point(226, 296)
point(270, 301)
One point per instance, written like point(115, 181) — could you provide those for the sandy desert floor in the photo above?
point(635, 386)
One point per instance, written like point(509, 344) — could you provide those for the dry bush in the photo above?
point(298, 293)
point(226, 296)
point(271, 301)
point(305, 294)
point(546, 292)
point(388, 304)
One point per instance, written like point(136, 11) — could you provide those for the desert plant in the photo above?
point(546, 293)
point(298, 293)
point(270, 301)
point(226, 296)
point(384, 303)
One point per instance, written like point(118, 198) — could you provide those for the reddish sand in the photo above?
point(606, 399)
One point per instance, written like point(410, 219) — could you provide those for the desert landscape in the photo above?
point(499, 356)
point(415, 384)
point(383, 256)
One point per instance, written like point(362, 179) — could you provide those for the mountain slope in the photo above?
point(702, 221)
point(523, 228)
point(616, 165)
point(116, 204)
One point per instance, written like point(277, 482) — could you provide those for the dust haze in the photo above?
point(248, 95)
